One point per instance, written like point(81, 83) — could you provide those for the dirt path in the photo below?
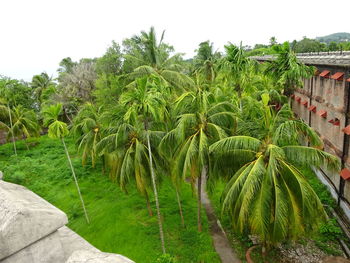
point(221, 243)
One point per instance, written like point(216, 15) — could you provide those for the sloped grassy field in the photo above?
point(119, 222)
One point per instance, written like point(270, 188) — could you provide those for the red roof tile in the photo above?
point(312, 108)
point(346, 130)
point(322, 113)
point(338, 76)
point(305, 103)
point(336, 122)
point(331, 121)
point(325, 74)
point(345, 174)
point(297, 98)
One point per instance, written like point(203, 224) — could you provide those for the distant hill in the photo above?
point(336, 37)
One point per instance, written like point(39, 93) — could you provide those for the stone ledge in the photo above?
point(25, 218)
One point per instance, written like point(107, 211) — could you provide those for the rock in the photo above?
point(47, 249)
point(25, 218)
point(83, 256)
point(71, 242)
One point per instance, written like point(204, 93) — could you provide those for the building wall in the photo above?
point(331, 96)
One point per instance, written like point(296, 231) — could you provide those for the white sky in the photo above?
point(36, 34)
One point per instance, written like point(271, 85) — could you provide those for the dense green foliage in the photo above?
point(147, 122)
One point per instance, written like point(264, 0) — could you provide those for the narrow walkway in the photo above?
point(221, 243)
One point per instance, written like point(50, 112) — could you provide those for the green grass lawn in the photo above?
point(119, 222)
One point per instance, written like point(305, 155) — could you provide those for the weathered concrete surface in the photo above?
point(25, 218)
point(47, 249)
point(71, 242)
point(82, 256)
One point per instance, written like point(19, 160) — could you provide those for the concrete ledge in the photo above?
point(71, 242)
point(25, 218)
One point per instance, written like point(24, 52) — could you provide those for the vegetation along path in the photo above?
point(221, 243)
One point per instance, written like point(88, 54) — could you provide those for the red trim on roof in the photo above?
point(345, 174)
point(338, 76)
point(331, 121)
point(297, 98)
point(312, 108)
point(346, 130)
point(322, 113)
point(336, 122)
point(305, 103)
point(325, 74)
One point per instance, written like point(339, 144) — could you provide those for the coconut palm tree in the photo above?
point(125, 146)
point(6, 121)
point(150, 57)
point(205, 61)
point(40, 83)
point(203, 122)
point(58, 130)
point(268, 195)
point(145, 105)
point(287, 70)
point(24, 123)
point(87, 129)
point(237, 70)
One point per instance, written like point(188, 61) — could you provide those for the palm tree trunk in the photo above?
point(75, 180)
point(180, 207)
point(199, 202)
point(13, 137)
point(149, 208)
point(155, 191)
point(199, 195)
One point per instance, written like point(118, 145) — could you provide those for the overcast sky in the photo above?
point(36, 34)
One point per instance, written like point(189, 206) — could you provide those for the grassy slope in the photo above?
point(119, 222)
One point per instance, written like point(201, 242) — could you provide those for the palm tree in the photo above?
point(238, 70)
point(25, 123)
point(268, 195)
point(58, 130)
point(87, 129)
point(40, 83)
point(125, 146)
point(205, 61)
point(6, 120)
point(202, 123)
point(150, 57)
point(145, 104)
point(287, 70)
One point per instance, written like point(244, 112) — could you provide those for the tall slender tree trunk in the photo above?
point(199, 196)
point(155, 191)
point(13, 137)
point(180, 207)
point(75, 180)
point(149, 208)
